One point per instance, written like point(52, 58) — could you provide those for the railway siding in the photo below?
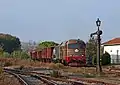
point(74, 78)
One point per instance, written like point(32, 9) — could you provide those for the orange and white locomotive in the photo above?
point(71, 52)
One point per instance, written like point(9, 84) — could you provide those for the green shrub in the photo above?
point(6, 54)
point(24, 55)
point(55, 73)
point(20, 54)
point(106, 59)
point(16, 54)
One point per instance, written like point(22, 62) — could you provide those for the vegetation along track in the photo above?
point(33, 79)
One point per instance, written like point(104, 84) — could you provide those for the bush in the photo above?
point(106, 59)
point(6, 54)
point(55, 73)
point(20, 54)
point(59, 65)
point(56, 66)
point(24, 55)
point(16, 54)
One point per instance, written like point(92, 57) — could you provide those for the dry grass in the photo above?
point(19, 62)
point(31, 63)
point(58, 66)
point(28, 63)
point(6, 79)
point(82, 70)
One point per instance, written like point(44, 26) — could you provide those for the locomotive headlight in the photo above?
point(76, 50)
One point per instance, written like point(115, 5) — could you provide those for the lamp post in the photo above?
point(99, 32)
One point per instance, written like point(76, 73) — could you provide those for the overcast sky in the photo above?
point(59, 20)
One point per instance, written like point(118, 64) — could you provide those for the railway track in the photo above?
point(33, 79)
point(28, 79)
point(25, 79)
point(75, 80)
point(87, 81)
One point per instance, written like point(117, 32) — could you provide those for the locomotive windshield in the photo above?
point(74, 46)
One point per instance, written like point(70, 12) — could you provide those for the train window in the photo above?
point(73, 46)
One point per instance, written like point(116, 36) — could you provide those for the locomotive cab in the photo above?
point(75, 52)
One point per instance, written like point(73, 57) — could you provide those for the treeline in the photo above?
point(10, 46)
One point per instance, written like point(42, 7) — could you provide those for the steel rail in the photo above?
point(19, 74)
point(21, 80)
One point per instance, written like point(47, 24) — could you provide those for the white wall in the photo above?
point(112, 50)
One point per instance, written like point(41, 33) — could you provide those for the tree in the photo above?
point(47, 44)
point(91, 51)
point(9, 43)
point(91, 48)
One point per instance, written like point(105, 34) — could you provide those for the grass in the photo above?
point(87, 71)
point(56, 66)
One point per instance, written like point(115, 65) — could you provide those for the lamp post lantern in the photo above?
point(99, 32)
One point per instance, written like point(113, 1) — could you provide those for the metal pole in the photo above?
point(59, 54)
point(117, 57)
point(99, 69)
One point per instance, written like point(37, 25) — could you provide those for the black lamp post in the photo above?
point(98, 33)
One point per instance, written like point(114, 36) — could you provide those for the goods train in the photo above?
point(70, 52)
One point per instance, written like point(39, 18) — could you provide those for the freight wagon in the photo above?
point(44, 55)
